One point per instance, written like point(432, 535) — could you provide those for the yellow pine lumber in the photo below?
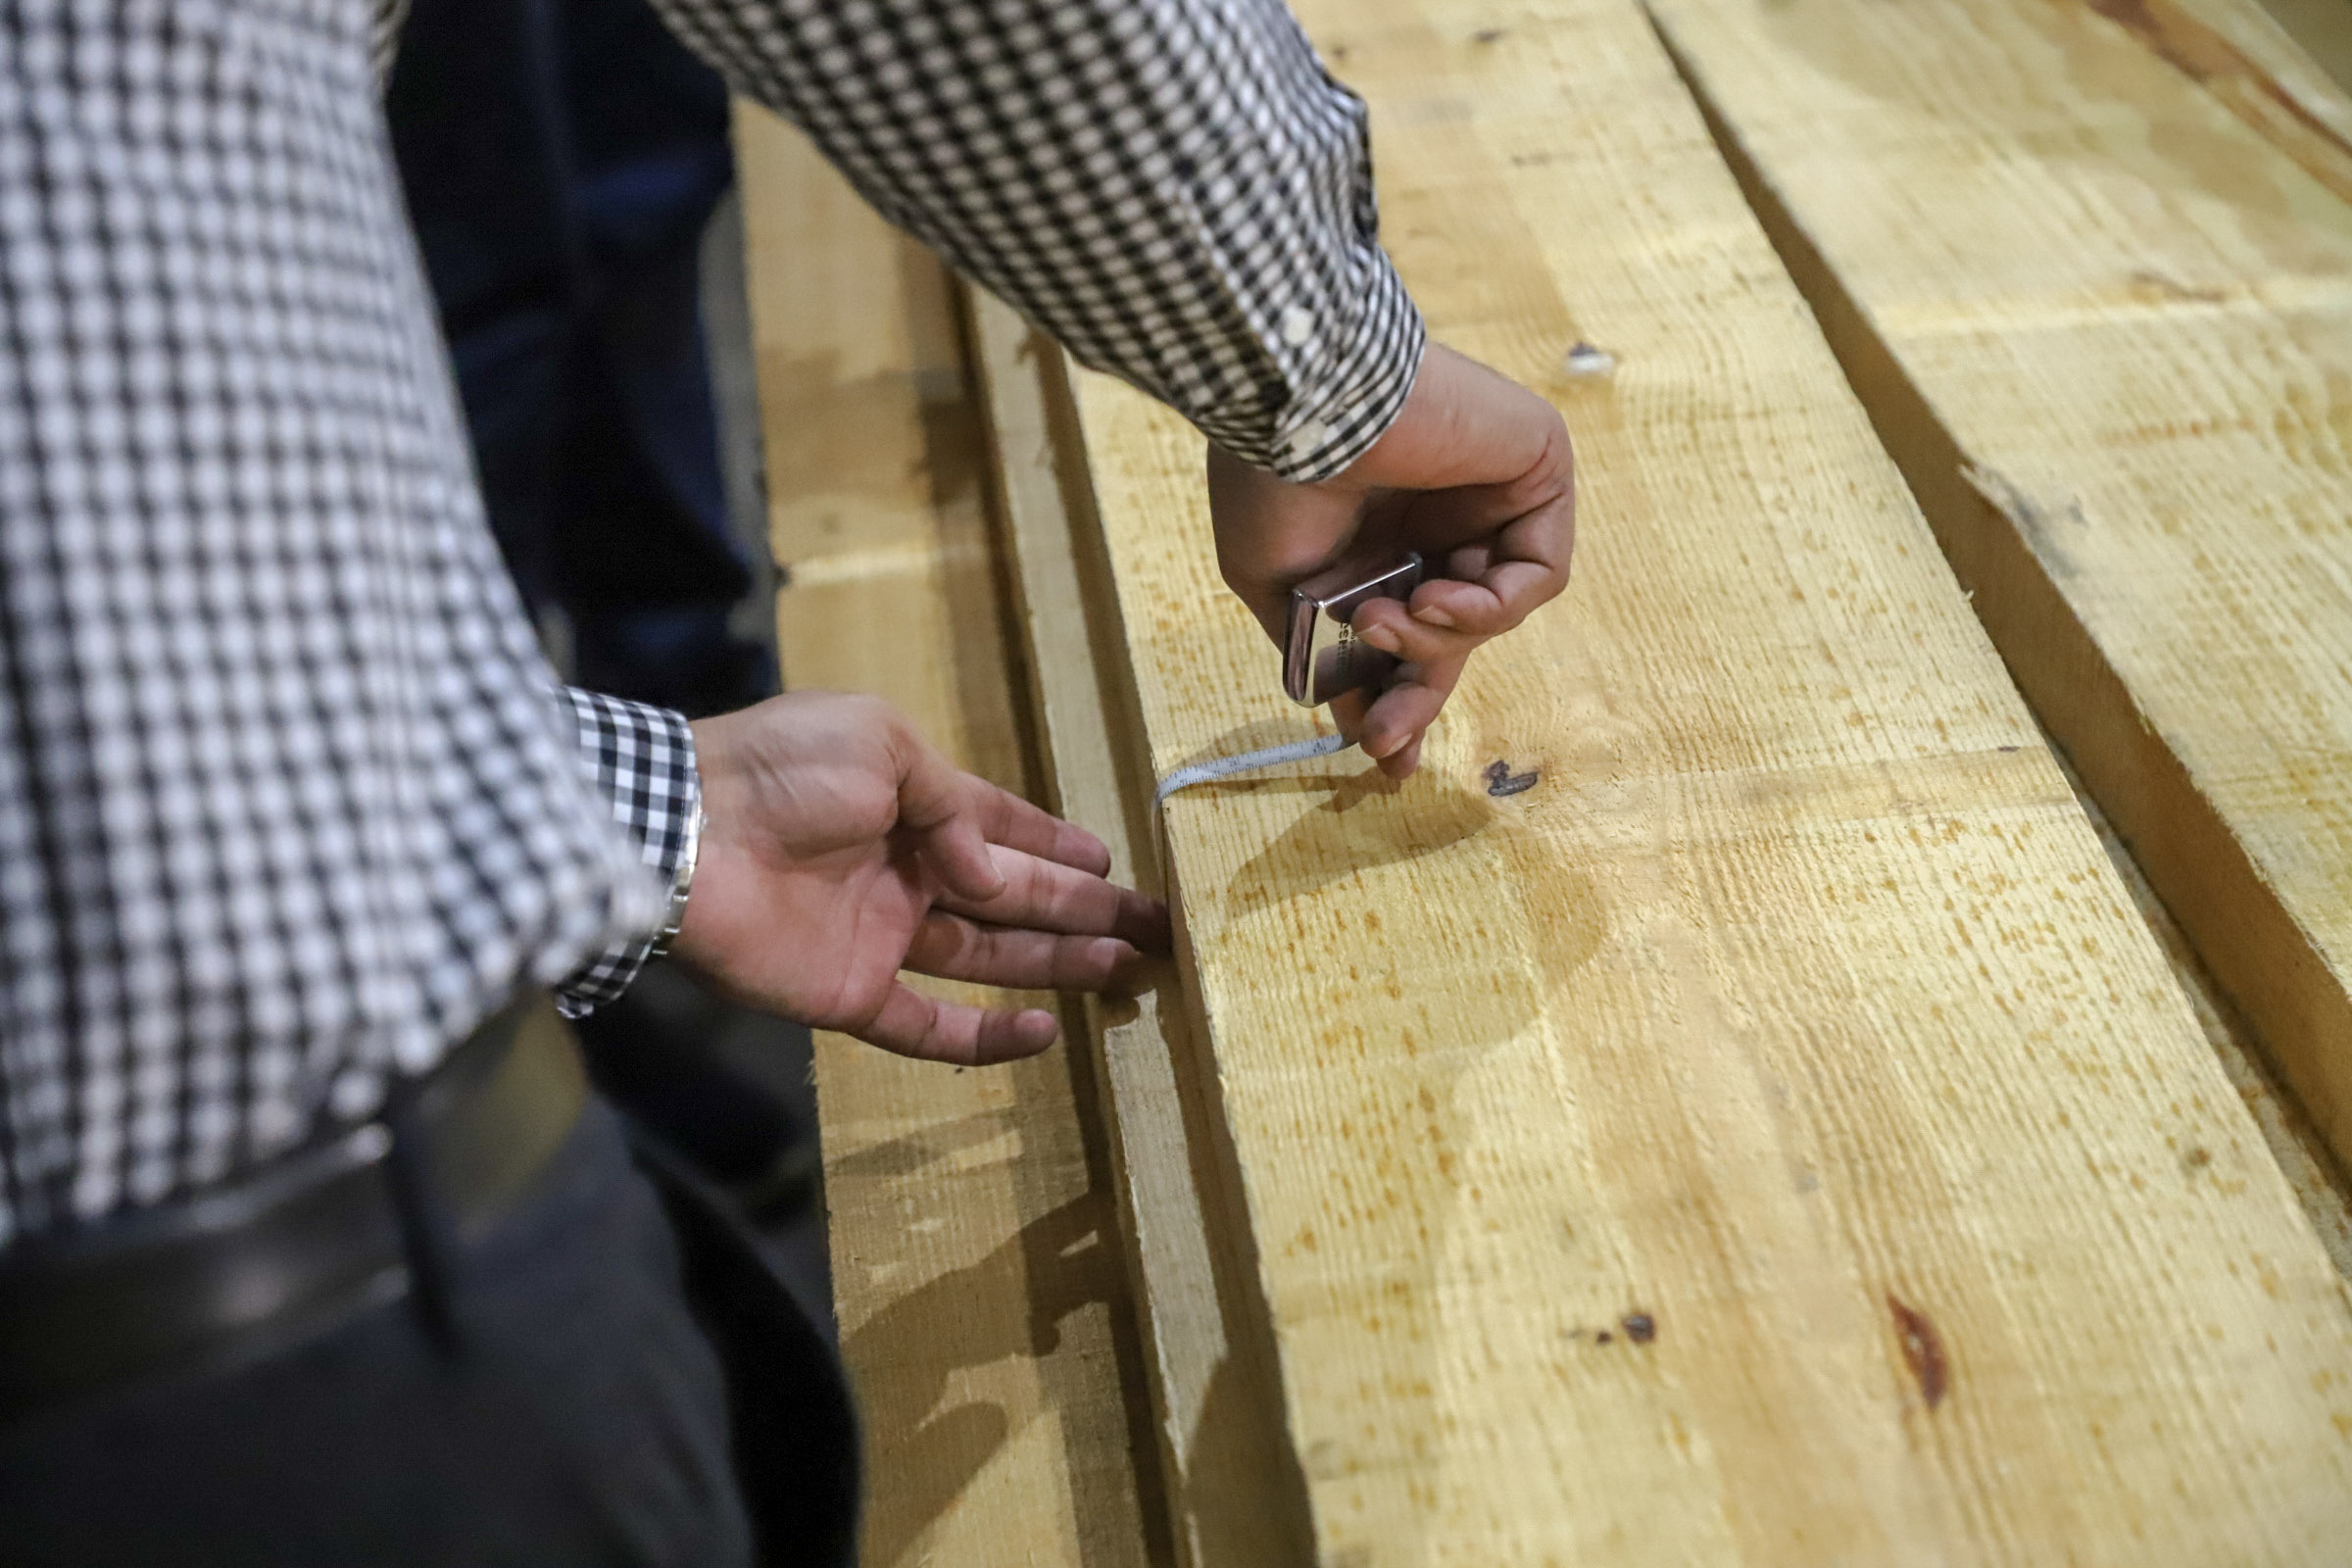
point(2304, 1160)
point(2090, 267)
point(975, 1268)
point(1231, 1490)
point(1775, 1138)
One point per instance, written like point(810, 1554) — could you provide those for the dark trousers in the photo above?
point(621, 1363)
point(562, 159)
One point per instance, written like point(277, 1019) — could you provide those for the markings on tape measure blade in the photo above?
point(1247, 762)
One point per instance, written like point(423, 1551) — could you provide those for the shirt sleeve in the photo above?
point(1176, 189)
point(644, 763)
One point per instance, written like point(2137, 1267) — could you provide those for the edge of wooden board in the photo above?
point(984, 1322)
point(2304, 1159)
point(1233, 1494)
point(2259, 954)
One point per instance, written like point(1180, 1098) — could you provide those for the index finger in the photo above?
point(1018, 824)
point(1040, 894)
point(1514, 571)
point(938, 802)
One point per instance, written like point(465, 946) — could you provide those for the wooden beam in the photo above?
point(983, 1309)
point(2101, 312)
point(1775, 1138)
point(2303, 1156)
point(1234, 1492)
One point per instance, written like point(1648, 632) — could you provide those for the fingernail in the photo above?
point(1432, 616)
point(1384, 639)
point(1381, 748)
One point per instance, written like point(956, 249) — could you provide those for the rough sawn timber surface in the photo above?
point(1232, 1490)
point(1773, 1138)
point(975, 1269)
point(2101, 310)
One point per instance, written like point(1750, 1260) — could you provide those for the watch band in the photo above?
point(680, 887)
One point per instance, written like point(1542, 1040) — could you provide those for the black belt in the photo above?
point(269, 1256)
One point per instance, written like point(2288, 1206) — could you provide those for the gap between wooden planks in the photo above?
point(2304, 1159)
point(984, 1315)
point(1235, 1495)
point(1777, 1137)
point(2089, 268)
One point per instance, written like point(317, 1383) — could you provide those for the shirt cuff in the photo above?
point(1358, 391)
point(644, 763)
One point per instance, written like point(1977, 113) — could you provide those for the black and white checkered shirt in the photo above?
point(285, 803)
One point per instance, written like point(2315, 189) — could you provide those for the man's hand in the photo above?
point(1476, 475)
point(840, 848)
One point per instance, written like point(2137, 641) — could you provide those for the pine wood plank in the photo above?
point(2303, 1156)
point(1794, 1033)
point(2101, 308)
point(975, 1276)
point(1233, 1492)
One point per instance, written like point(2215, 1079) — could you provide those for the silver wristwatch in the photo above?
point(680, 886)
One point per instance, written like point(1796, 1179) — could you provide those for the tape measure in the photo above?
point(1183, 778)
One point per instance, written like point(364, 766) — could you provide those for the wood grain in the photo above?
point(2113, 353)
point(1233, 1492)
point(2304, 1159)
point(981, 1300)
point(1775, 1138)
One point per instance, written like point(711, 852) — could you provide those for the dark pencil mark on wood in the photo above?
point(1602, 1338)
point(1486, 35)
point(1923, 1348)
point(1639, 1328)
point(1501, 781)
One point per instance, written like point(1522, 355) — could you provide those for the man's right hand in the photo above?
point(840, 848)
point(1476, 475)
